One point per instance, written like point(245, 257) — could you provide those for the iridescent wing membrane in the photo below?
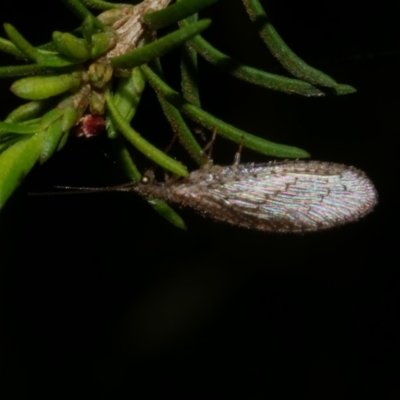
point(289, 196)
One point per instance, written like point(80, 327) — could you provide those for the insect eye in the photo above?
point(145, 180)
point(148, 177)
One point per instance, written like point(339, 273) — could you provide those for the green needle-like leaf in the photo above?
point(101, 5)
point(134, 175)
point(125, 160)
point(43, 57)
point(167, 213)
point(174, 13)
point(141, 144)
point(82, 12)
point(27, 111)
point(21, 43)
point(25, 70)
point(53, 135)
point(184, 134)
point(5, 144)
point(289, 60)
point(56, 124)
point(43, 87)
point(160, 47)
point(71, 46)
point(127, 98)
point(18, 128)
point(189, 71)
point(179, 126)
point(9, 47)
point(16, 162)
point(210, 122)
point(256, 76)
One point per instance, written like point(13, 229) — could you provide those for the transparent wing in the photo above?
point(289, 196)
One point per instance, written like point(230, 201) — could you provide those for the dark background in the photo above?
point(101, 298)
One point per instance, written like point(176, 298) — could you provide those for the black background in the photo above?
point(101, 298)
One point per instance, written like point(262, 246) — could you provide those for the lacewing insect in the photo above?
point(289, 196)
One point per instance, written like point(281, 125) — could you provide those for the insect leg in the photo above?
point(236, 160)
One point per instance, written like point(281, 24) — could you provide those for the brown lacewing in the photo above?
point(288, 196)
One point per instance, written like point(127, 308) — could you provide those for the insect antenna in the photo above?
point(126, 187)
